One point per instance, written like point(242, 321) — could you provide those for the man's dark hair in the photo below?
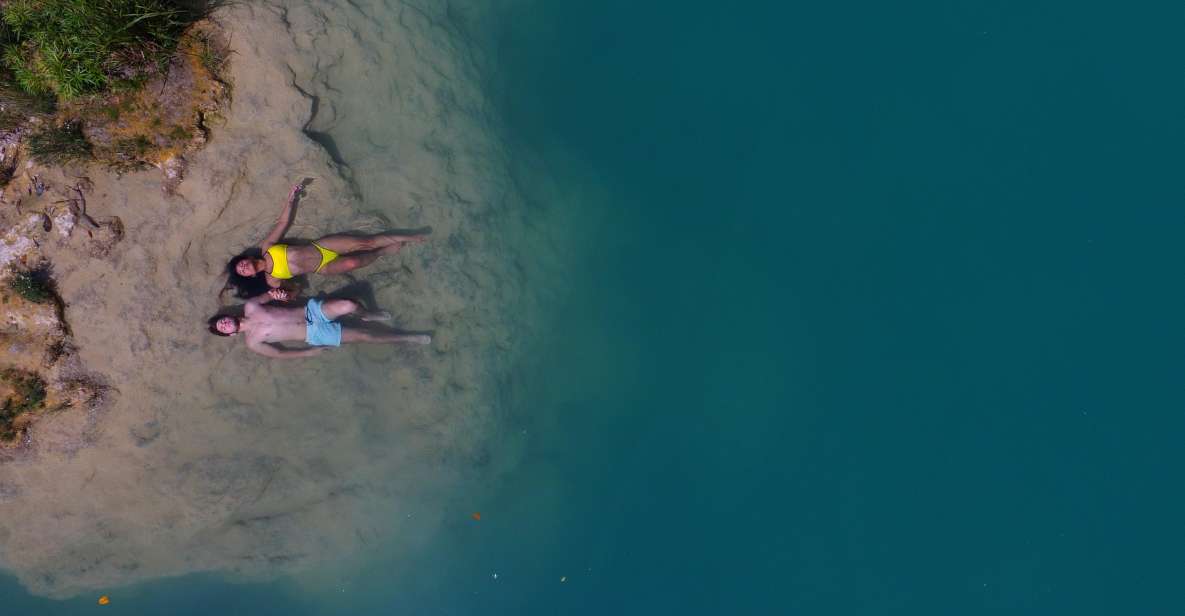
point(213, 323)
point(245, 287)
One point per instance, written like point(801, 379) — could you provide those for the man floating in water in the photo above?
point(315, 324)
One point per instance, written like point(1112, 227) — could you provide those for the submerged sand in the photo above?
point(209, 458)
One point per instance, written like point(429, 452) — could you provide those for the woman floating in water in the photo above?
point(273, 262)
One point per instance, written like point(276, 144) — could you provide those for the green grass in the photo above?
point(60, 145)
point(28, 394)
point(70, 48)
point(34, 286)
point(212, 56)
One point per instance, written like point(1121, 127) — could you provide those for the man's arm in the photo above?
point(277, 232)
point(268, 350)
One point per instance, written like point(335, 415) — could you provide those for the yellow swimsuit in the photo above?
point(279, 253)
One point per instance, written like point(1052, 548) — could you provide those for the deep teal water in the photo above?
point(882, 317)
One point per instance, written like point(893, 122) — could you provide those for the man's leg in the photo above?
point(350, 335)
point(334, 309)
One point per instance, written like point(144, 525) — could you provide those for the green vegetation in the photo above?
point(69, 48)
point(212, 55)
point(33, 286)
point(27, 394)
point(73, 77)
point(59, 145)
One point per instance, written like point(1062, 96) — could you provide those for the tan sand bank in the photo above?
point(209, 458)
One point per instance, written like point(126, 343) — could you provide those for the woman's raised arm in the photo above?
point(285, 220)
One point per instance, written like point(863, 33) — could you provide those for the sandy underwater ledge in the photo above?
point(208, 458)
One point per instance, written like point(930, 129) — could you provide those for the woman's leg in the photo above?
point(343, 244)
point(355, 260)
point(347, 263)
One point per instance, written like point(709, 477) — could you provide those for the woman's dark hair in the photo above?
point(213, 323)
point(245, 287)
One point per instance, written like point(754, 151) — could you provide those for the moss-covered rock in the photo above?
point(32, 285)
point(154, 126)
point(22, 394)
point(37, 375)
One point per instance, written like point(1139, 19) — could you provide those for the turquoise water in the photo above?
point(872, 310)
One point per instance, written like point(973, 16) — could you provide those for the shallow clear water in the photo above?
point(863, 310)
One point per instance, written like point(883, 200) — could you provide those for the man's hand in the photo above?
point(279, 294)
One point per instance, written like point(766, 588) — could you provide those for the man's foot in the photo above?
point(420, 339)
point(378, 315)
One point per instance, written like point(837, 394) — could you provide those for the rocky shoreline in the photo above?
point(43, 207)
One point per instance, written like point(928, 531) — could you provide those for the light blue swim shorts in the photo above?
point(320, 331)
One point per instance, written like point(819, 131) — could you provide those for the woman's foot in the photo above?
point(393, 239)
point(397, 245)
